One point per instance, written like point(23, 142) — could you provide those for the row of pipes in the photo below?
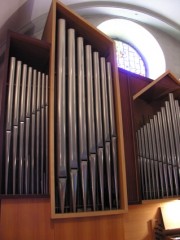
point(86, 163)
point(158, 144)
point(25, 159)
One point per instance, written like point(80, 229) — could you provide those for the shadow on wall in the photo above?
point(17, 20)
point(14, 23)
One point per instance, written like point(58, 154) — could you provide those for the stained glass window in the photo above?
point(128, 58)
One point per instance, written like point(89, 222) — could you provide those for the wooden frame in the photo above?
point(106, 48)
point(149, 100)
point(151, 97)
point(140, 96)
point(130, 84)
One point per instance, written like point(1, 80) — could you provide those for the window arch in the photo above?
point(128, 58)
point(141, 39)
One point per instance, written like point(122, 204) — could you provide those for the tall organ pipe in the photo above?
point(111, 100)
point(105, 100)
point(99, 128)
point(81, 101)
point(27, 131)
point(61, 112)
point(22, 119)
point(112, 129)
point(37, 148)
point(97, 95)
point(9, 119)
point(33, 122)
point(46, 133)
point(42, 111)
point(72, 122)
point(90, 101)
point(167, 148)
point(16, 121)
point(82, 118)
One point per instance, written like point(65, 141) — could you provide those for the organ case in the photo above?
point(23, 55)
point(156, 120)
point(67, 196)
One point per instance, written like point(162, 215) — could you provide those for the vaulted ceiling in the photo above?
point(162, 14)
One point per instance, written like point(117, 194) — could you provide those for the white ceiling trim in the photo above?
point(119, 5)
point(128, 11)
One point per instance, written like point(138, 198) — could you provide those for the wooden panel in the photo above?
point(30, 219)
point(76, 229)
point(160, 87)
point(130, 84)
point(130, 154)
point(110, 227)
point(25, 219)
point(151, 98)
point(137, 223)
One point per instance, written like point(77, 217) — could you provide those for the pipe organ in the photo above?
point(85, 141)
point(158, 143)
point(25, 157)
point(24, 118)
point(61, 123)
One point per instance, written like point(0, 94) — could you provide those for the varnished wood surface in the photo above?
point(30, 219)
point(131, 83)
point(149, 100)
point(27, 219)
point(128, 130)
point(160, 87)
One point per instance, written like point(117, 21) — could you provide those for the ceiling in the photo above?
point(162, 14)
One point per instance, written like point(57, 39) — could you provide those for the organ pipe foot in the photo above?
point(92, 159)
point(74, 176)
point(84, 182)
point(101, 174)
point(108, 169)
point(62, 192)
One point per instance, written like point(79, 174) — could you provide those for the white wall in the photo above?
point(171, 49)
point(169, 45)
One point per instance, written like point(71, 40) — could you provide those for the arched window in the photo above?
point(128, 58)
point(143, 41)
